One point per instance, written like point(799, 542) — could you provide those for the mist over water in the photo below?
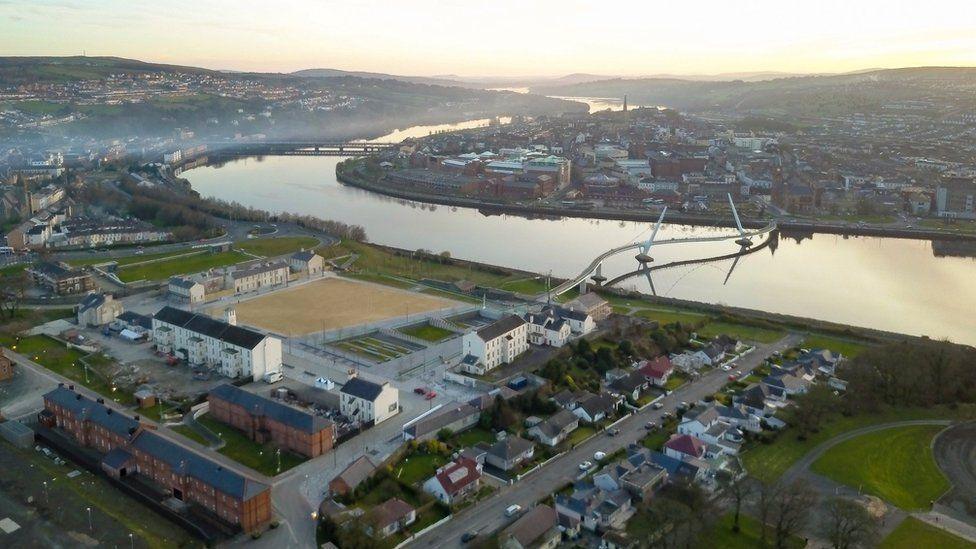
point(884, 283)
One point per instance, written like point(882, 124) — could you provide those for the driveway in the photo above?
point(955, 452)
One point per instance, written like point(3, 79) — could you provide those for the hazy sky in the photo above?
point(502, 37)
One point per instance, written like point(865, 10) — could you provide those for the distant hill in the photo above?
point(796, 95)
point(431, 81)
point(18, 70)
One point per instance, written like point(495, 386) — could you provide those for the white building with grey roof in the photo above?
point(501, 342)
point(368, 402)
point(202, 340)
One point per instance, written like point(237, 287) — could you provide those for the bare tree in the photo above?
point(847, 524)
point(791, 510)
point(735, 486)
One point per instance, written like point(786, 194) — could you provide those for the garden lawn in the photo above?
point(847, 347)
point(915, 534)
point(740, 331)
point(130, 259)
point(182, 265)
point(749, 536)
point(418, 468)
point(666, 316)
point(471, 437)
point(270, 247)
point(900, 468)
point(189, 433)
point(260, 457)
point(768, 461)
point(427, 332)
point(580, 434)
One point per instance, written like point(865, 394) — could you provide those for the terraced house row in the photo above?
point(130, 448)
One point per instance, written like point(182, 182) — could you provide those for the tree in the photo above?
point(812, 408)
point(791, 510)
point(847, 524)
point(736, 487)
point(13, 288)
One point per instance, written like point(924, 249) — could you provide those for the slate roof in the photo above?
point(356, 472)
point(305, 255)
point(390, 511)
point(205, 325)
point(674, 467)
point(84, 408)
point(510, 447)
point(260, 406)
point(136, 319)
point(360, 388)
point(532, 525)
point(500, 327)
point(587, 301)
point(184, 461)
point(446, 416)
point(556, 423)
point(595, 404)
point(117, 458)
point(629, 383)
point(91, 301)
point(253, 270)
point(182, 282)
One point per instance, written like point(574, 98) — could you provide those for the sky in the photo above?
point(502, 37)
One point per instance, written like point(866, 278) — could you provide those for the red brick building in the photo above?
point(264, 420)
point(6, 367)
point(130, 448)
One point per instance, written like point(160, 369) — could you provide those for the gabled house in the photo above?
point(509, 453)
point(538, 528)
point(369, 402)
point(556, 428)
point(687, 469)
point(594, 408)
point(351, 477)
point(754, 399)
point(98, 309)
point(592, 304)
point(390, 517)
point(691, 361)
point(595, 508)
point(823, 361)
point(546, 328)
point(579, 321)
point(630, 386)
point(657, 370)
point(785, 385)
point(569, 400)
point(681, 446)
point(454, 481)
point(705, 423)
point(499, 343)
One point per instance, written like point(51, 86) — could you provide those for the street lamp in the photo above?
point(91, 525)
point(132, 544)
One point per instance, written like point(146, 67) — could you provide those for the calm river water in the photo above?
point(884, 283)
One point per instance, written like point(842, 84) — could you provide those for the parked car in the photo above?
point(732, 377)
point(513, 510)
point(650, 425)
point(613, 432)
point(599, 456)
point(468, 536)
point(657, 405)
point(586, 465)
point(273, 377)
point(431, 395)
point(420, 390)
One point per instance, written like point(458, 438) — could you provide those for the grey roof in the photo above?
point(588, 301)
point(257, 269)
point(91, 301)
point(84, 408)
point(135, 319)
point(571, 313)
point(629, 382)
point(703, 414)
point(360, 388)
point(217, 329)
point(556, 423)
point(357, 471)
point(185, 461)
point(500, 327)
point(597, 403)
point(116, 458)
point(510, 447)
point(305, 255)
point(260, 406)
point(182, 282)
point(446, 416)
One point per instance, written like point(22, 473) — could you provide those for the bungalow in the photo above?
point(688, 469)
point(691, 361)
point(740, 416)
point(630, 386)
point(390, 517)
point(657, 370)
point(555, 429)
point(705, 424)
point(569, 400)
point(350, 477)
point(681, 446)
point(509, 453)
point(538, 528)
point(454, 481)
point(457, 417)
point(785, 385)
point(754, 399)
point(594, 408)
point(822, 361)
point(635, 473)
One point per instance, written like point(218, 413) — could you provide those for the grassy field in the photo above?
point(847, 347)
point(191, 434)
point(915, 534)
point(768, 461)
point(332, 303)
point(418, 468)
point(901, 470)
point(427, 332)
point(130, 259)
point(181, 265)
point(260, 457)
point(527, 286)
point(270, 247)
point(740, 331)
point(471, 437)
point(58, 358)
point(666, 315)
point(748, 537)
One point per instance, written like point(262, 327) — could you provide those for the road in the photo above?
point(489, 515)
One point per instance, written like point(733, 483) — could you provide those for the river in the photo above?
point(884, 283)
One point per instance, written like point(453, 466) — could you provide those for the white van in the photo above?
point(513, 510)
point(273, 377)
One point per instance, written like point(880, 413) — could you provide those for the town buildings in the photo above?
point(454, 481)
point(6, 367)
point(592, 304)
point(59, 279)
point(264, 420)
point(307, 262)
point(491, 346)
point(129, 449)
point(352, 476)
point(251, 278)
point(199, 339)
point(98, 310)
point(368, 402)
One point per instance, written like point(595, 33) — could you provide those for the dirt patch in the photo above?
point(955, 452)
point(331, 303)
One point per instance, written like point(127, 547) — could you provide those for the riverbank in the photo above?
point(788, 227)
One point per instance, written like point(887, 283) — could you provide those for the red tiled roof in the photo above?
point(390, 511)
point(656, 368)
point(686, 444)
point(456, 475)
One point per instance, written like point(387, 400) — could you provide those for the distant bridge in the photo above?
point(298, 148)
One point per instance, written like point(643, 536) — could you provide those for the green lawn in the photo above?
point(526, 286)
point(381, 279)
point(915, 534)
point(666, 315)
point(748, 537)
point(182, 265)
point(740, 331)
point(901, 469)
point(260, 457)
point(850, 348)
point(580, 434)
point(191, 434)
point(471, 437)
point(768, 461)
point(12, 269)
point(675, 380)
point(270, 247)
point(427, 332)
point(58, 358)
point(130, 259)
point(418, 468)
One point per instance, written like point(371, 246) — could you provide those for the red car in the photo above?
point(732, 377)
point(431, 395)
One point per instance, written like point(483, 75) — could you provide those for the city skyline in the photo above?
point(500, 39)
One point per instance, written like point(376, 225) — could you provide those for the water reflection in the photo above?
point(891, 284)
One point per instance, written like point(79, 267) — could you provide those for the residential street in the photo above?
point(489, 515)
